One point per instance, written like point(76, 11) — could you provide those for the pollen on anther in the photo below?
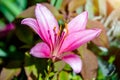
point(66, 28)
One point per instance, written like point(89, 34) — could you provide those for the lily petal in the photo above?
point(33, 24)
point(47, 23)
point(74, 61)
point(78, 23)
point(76, 39)
point(41, 50)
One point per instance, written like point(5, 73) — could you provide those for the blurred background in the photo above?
point(100, 59)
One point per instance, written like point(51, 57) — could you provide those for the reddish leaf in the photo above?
point(102, 40)
point(74, 4)
point(90, 64)
point(64, 5)
point(8, 74)
point(28, 13)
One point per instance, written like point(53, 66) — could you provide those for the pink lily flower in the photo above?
point(58, 44)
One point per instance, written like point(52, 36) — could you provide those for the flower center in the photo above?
point(59, 38)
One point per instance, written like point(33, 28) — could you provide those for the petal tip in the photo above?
point(78, 69)
point(22, 22)
point(85, 13)
point(98, 32)
point(25, 21)
point(74, 61)
point(38, 4)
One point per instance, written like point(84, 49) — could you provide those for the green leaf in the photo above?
point(25, 34)
point(52, 2)
point(58, 66)
point(63, 75)
point(112, 59)
point(31, 70)
point(3, 53)
point(67, 67)
point(40, 77)
point(12, 48)
point(12, 64)
point(29, 66)
point(2, 24)
point(75, 77)
point(10, 17)
point(106, 68)
point(11, 53)
point(56, 3)
point(22, 4)
point(11, 8)
point(34, 66)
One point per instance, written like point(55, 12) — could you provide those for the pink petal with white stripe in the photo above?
point(47, 23)
point(32, 23)
point(41, 50)
point(78, 23)
point(74, 61)
point(76, 39)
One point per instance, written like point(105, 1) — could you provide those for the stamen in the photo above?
point(59, 38)
point(55, 33)
point(49, 35)
point(54, 30)
point(63, 35)
point(60, 31)
point(50, 40)
point(66, 28)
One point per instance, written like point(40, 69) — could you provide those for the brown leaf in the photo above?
point(64, 9)
point(69, 7)
point(64, 5)
point(102, 40)
point(8, 74)
point(28, 13)
point(90, 64)
point(74, 4)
